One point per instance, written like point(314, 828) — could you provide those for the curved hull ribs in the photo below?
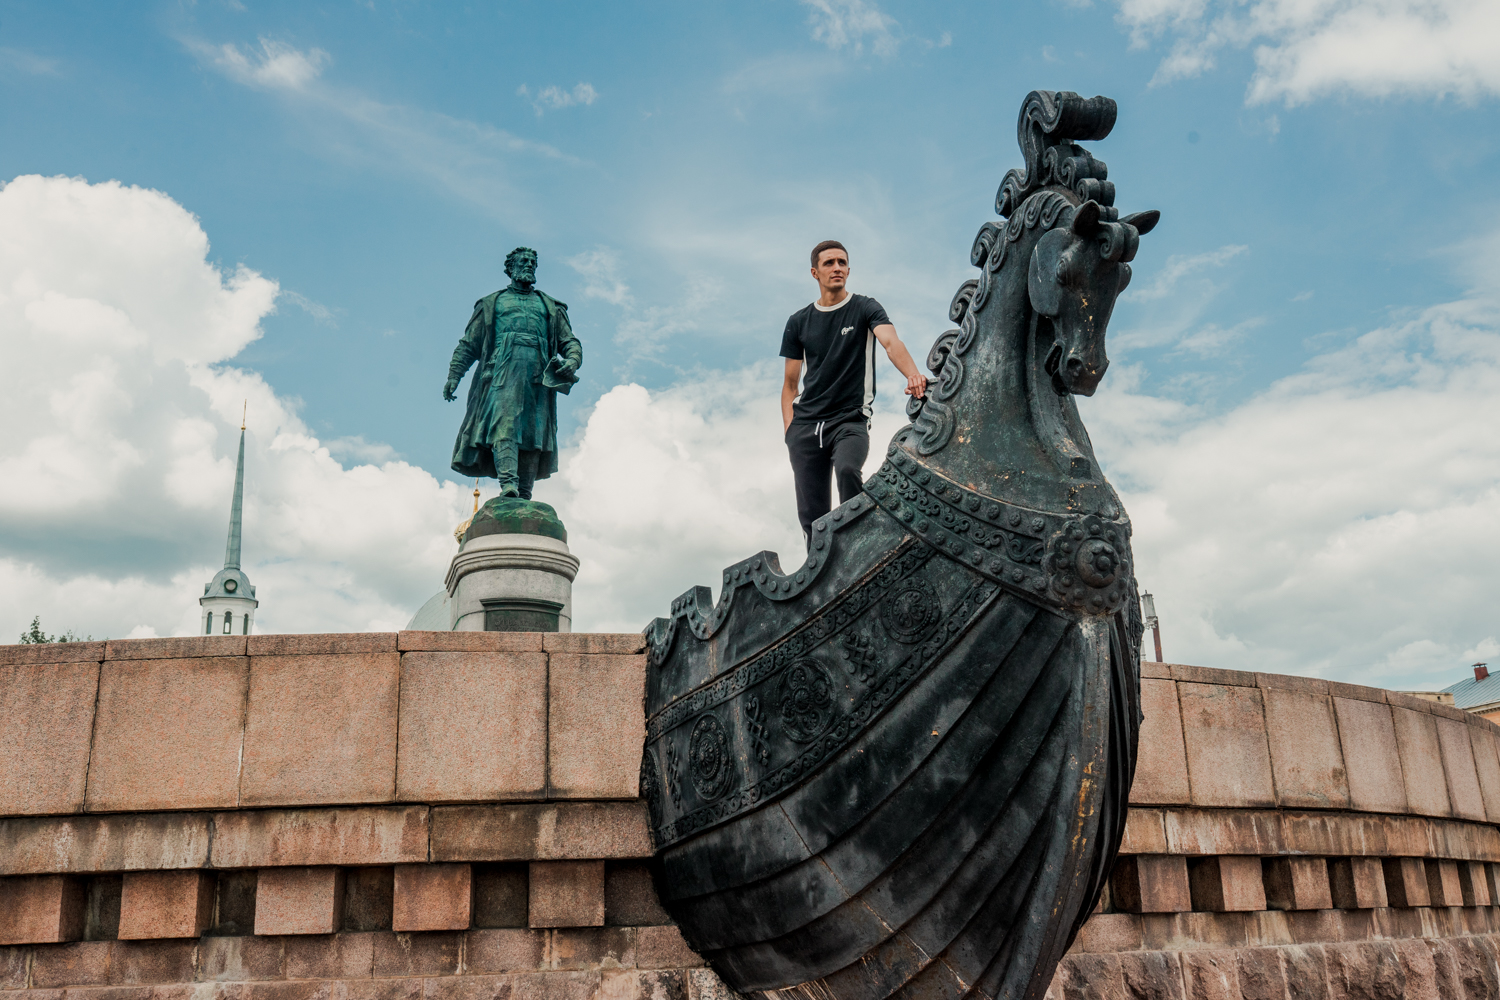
point(901, 769)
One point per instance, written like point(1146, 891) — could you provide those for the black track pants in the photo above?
point(816, 450)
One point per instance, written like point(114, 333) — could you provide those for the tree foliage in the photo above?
point(36, 635)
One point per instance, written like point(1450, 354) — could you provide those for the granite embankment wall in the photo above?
point(455, 816)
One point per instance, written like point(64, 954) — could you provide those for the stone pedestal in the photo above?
point(513, 571)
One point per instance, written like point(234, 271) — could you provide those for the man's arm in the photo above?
point(464, 355)
point(916, 382)
point(789, 391)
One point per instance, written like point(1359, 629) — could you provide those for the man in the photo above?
point(527, 354)
point(829, 427)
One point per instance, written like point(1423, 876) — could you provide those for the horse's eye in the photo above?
point(1124, 276)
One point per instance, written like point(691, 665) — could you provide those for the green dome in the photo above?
point(514, 516)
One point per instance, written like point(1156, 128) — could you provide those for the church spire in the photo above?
point(236, 507)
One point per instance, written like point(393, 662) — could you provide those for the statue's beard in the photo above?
point(524, 275)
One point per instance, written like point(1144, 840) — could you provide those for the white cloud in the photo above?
point(470, 160)
point(600, 267)
point(841, 24)
point(1178, 267)
point(555, 98)
point(1305, 49)
point(122, 415)
point(28, 62)
point(274, 65)
point(1177, 297)
point(665, 489)
point(1344, 521)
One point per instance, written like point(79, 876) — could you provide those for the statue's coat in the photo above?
point(472, 455)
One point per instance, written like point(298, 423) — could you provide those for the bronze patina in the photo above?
point(901, 768)
point(526, 352)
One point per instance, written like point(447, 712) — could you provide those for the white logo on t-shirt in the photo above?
point(845, 330)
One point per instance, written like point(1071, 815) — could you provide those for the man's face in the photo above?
point(523, 269)
point(832, 270)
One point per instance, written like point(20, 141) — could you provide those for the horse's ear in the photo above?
point(1143, 222)
point(1086, 219)
point(1042, 280)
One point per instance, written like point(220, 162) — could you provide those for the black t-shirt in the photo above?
point(838, 346)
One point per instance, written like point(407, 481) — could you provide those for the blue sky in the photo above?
point(1323, 170)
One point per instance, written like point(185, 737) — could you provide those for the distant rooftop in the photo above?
point(1471, 693)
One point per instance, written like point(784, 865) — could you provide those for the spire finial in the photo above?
point(476, 496)
point(242, 414)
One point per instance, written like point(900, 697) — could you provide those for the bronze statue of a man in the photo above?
point(527, 353)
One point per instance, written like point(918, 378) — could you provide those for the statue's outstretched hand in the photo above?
point(450, 389)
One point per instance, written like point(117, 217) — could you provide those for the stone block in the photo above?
point(299, 900)
point(1262, 975)
point(511, 949)
point(1405, 882)
point(540, 831)
point(52, 652)
point(46, 721)
point(274, 838)
point(1364, 969)
point(82, 963)
point(1145, 883)
point(1475, 971)
point(566, 894)
point(1421, 762)
point(594, 643)
point(1157, 671)
point(1211, 975)
point(596, 725)
point(473, 726)
point(1368, 735)
point(433, 898)
point(1306, 972)
point(572, 949)
point(1291, 682)
point(630, 895)
point(320, 729)
point(1443, 885)
point(41, 909)
point(1464, 794)
point(183, 647)
point(393, 989)
point(1151, 975)
point(1224, 831)
point(1295, 883)
point(662, 947)
point(1226, 883)
point(1473, 885)
point(1110, 932)
point(1306, 761)
point(1487, 768)
point(1492, 880)
point(166, 904)
point(325, 644)
point(13, 967)
point(1145, 832)
point(133, 963)
point(469, 642)
point(1419, 969)
point(332, 956)
point(1224, 729)
point(1211, 675)
point(1161, 773)
point(168, 734)
point(1357, 883)
point(240, 959)
point(434, 954)
point(103, 843)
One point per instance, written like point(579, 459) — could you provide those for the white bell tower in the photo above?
point(228, 601)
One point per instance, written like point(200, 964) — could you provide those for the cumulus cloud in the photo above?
point(122, 411)
point(555, 98)
point(841, 24)
point(1305, 49)
point(1342, 522)
point(600, 268)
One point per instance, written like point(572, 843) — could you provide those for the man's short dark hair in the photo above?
point(826, 245)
